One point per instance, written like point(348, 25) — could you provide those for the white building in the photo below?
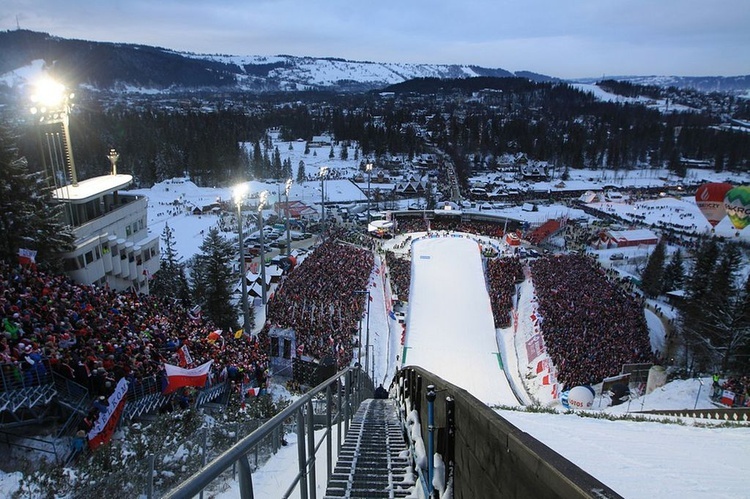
point(112, 244)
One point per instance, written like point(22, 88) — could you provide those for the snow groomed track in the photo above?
point(449, 328)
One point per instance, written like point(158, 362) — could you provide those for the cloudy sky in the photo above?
point(563, 38)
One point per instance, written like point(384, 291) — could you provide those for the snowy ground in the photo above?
point(637, 459)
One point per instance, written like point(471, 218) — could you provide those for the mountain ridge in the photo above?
point(134, 68)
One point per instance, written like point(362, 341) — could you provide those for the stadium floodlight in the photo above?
point(263, 199)
point(323, 175)
point(238, 194)
point(368, 169)
point(287, 188)
point(51, 105)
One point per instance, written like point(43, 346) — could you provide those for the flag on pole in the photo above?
point(178, 377)
point(26, 256)
point(238, 334)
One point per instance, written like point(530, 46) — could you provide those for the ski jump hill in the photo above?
point(449, 325)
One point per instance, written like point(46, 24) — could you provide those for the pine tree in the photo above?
point(723, 320)
point(170, 281)
point(331, 155)
point(301, 172)
point(651, 278)
point(674, 273)
point(212, 280)
point(28, 217)
point(277, 171)
point(344, 152)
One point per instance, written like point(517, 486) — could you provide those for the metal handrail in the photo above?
point(351, 388)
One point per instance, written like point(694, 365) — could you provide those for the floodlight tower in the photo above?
point(238, 193)
point(323, 175)
point(368, 169)
point(51, 104)
point(287, 188)
point(261, 204)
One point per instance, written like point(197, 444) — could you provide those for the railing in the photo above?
point(12, 377)
point(343, 394)
point(484, 454)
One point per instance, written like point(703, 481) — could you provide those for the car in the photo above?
point(298, 237)
point(617, 256)
point(278, 244)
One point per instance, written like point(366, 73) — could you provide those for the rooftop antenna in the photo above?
point(18, 25)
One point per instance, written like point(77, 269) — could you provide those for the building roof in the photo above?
point(633, 235)
point(92, 188)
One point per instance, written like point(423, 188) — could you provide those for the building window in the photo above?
point(287, 349)
point(274, 346)
point(89, 257)
point(128, 231)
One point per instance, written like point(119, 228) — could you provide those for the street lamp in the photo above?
point(287, 188)
point(368, 169)
point(238, 193)
point(323, 175)
point(52, 104)
point(261, 205)
point(367, 339)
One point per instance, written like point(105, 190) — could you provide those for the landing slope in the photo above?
point(450, 330)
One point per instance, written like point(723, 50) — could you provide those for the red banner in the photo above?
point(106, 423)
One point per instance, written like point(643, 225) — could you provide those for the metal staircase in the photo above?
point(374, 460)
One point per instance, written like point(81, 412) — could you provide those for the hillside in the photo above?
point(135, 68)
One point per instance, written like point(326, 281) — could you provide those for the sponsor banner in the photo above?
point(534, 347)
point(106, 423)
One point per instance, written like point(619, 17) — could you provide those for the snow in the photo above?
point(693, 459)
point(450, 329)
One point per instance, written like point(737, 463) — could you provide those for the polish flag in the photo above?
point(178, 377)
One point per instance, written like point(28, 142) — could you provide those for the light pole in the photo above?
point(323, 175)
point(238, 194)
point(368, 169)
point(261, 205)
point(52, 104)
point(287, 188)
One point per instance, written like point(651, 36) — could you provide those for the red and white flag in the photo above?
point(105, 424)
point(26, 256)
point(178, 377)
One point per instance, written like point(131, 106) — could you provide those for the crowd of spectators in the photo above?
point(399, 273)
point(739, 386)
point(320, 300)
point(449, 223)
point(502, 276)
point(96, 336)
point(591, 326)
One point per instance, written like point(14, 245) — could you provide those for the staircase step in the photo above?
point(372, 462)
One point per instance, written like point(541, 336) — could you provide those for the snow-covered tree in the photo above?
point(28, 217)
point(212, 280)
point(170, 281)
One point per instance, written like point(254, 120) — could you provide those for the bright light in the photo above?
point(263, 198)
point(49, 93)
point(288, 186)
point(323, 171)
point(238, 193)
point(368, 167)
